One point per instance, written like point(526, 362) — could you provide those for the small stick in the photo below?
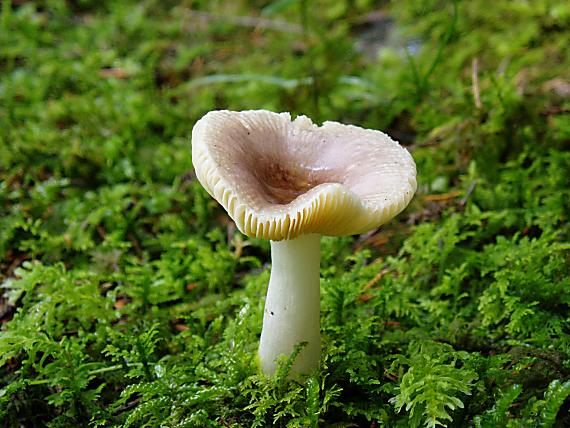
point(475, 82)
point(246, 21)
point(376, 279)
point(469, 191)
point(443, 197)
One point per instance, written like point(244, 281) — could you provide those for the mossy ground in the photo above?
point(128, 297)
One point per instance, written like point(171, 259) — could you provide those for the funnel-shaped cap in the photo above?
point(279, 179)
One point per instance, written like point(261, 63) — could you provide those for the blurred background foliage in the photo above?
point(129, 299)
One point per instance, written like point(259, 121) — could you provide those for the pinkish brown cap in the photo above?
point(279, 178)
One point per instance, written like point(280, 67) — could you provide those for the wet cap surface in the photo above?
point(279, 178)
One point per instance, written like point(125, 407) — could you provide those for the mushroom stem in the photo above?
point(292, 306)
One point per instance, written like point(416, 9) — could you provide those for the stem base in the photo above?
point(292, 306)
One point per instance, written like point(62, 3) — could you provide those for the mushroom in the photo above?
point(291, 182)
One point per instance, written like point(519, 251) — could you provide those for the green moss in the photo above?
point(129, 299)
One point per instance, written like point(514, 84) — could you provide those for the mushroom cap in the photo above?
point(279, 178)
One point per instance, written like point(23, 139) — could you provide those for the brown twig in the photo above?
point(117, 73)
point(475, 82)
point(136, 244)
point(443, 197)
point(376, 279)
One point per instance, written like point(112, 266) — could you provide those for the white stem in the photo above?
point(292, 306)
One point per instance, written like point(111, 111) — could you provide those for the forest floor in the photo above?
point(128, 297)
